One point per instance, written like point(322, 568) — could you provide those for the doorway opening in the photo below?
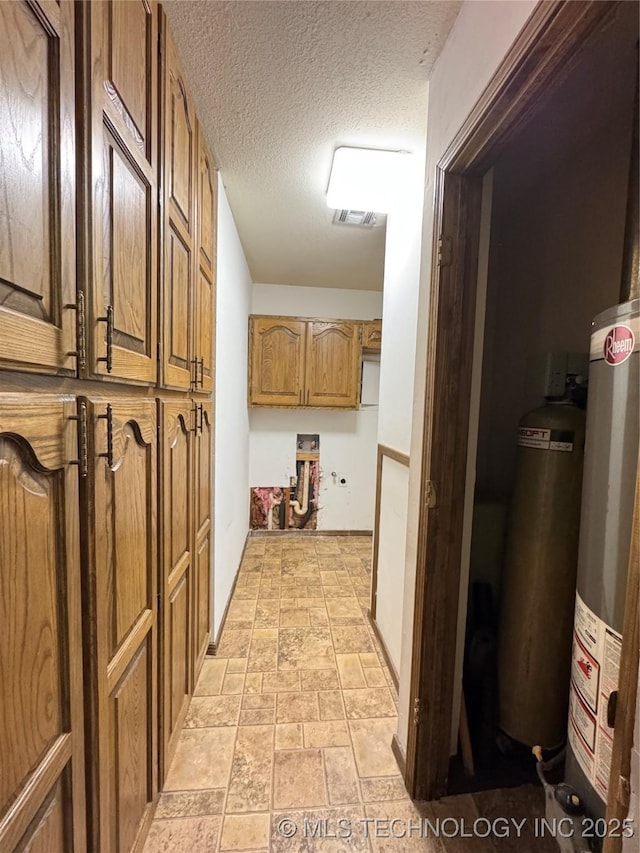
point(556, 235)
point(555, 44)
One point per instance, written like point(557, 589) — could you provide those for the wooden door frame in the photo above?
point(538, 62)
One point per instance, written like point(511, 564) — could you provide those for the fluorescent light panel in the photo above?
point(366, 179)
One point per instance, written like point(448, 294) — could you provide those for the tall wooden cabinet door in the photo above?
point(123, 330)
point(277, 356)
point(37, 187)
point(333, 364)
point(204, 321)
point(42, 800)
point(203, 547)
point(123, 567)
point(176, 538)
point(179, 194)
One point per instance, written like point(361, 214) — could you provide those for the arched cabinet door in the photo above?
point(205, 302)
point(42, 801)
point(276, 361)
point(122, 567)
point(37, 181)
point(333, 362)
point(177, 425)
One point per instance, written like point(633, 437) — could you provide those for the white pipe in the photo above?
point(297, 508)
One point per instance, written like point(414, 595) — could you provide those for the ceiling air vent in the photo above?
point(360, 218)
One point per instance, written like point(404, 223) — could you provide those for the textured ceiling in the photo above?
point(278, 86)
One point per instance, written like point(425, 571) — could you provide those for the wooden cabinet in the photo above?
point(42, 799)
point(304, 362)
point(122, 318)
point(203, 326)
point(121, 614)
point(37, 201)
point(105, 623)
point(276, 361)
point(178, 422)
point(203, 542)
point(372, 336)
point(178, 173)
point(333, 364)
point(188, 235)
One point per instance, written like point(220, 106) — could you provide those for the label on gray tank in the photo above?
point(594, 675)
point(546, 439)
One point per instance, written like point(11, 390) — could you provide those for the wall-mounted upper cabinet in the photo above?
point(204, 326)
point(189, 198)
point(296, 362)
point(372, 336)
point(37, 199)
point(122, 152)
point(276, 361)
point(178, 191)
point(333, 364)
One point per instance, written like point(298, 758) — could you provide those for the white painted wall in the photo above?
point(347, 446)
point(479, 40)
point(233, 304)
point(324, 302)
point(394, 496)
point(400, 310)
point(347, 439)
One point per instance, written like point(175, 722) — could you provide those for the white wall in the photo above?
point(400, 310)
point(233, 304)
point(347, 439)
point(324, 302)
point(394, 496)
point(479, 40)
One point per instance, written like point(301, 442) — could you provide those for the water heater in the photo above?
point(611, 458)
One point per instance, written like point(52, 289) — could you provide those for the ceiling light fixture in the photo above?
point(367, 179)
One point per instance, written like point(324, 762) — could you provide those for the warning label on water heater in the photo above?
point(594, 675)
point(545, 439)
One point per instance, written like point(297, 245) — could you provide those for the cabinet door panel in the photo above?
point(277, 361)
point(123, 323)
point(178, 180)
point(204, 321)
point(37, 202)
point(333, 364)
point(131, 773)
point(123, 557)
point(203, 491)
point(41, 726)
point(176, 572)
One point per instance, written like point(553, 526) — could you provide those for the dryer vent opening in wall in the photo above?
point(359, 218)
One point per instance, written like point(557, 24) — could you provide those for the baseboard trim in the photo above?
point(399, 756)
point(385, 651)
point(215, 644)
point(294, 532)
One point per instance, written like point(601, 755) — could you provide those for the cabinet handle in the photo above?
point(197, 378)
point(83, 461)
point(108, 417)
point(194, 412)
point(201, 421)
point(108, 319)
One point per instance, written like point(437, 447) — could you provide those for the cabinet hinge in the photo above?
point(430, 495)
point(83, 452)
point(80, 352)
point(445, 251)
point(416, 711)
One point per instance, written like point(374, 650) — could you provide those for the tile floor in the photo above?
point(291, 724)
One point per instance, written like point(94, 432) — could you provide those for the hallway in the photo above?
point(293, 720)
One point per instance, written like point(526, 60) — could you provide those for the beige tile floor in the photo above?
point(293, 720)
